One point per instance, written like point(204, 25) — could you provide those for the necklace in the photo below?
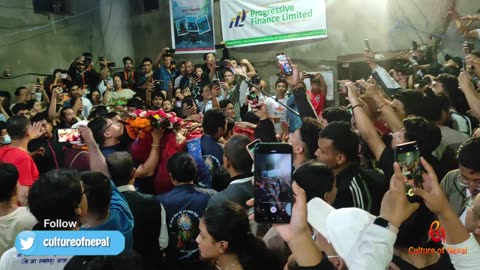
point(228, 267)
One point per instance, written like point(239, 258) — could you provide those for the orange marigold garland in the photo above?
point(147, 120)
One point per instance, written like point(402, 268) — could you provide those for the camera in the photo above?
point(255, 80)
point(109, 64)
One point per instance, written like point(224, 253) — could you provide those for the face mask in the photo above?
point(7, 139)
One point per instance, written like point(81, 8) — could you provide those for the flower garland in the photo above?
point(146, 121)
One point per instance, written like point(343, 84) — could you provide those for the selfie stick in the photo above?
point(270, 96)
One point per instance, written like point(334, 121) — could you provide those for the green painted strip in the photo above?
point(276, 37)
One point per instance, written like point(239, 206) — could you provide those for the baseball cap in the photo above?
point(341, 227)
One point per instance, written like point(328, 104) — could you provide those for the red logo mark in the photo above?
point(436, 233)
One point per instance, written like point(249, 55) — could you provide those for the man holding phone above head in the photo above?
point(426, 134)
point(164, 71)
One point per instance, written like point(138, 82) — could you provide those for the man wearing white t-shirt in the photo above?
point(13, 219)
point(275, 109)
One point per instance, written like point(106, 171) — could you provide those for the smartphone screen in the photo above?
point(71, 135)
point(189, 101)
point(221, 63)
point(273, 182)
point(285, 65)
point(414, 45)
point(251, 147)
point(408, 157)
point(216, 83)
point(367, 44)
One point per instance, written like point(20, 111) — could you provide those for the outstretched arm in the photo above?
point(471, 95)
point(147, 168)
point(364, 124)
point(97, 160)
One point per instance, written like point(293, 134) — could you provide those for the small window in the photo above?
point(149, 5)
point(50, 6)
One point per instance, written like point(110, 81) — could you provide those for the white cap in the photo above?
point(341, 227)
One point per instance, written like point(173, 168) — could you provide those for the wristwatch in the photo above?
point(385, 224)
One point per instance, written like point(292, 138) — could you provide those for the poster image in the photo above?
point(181, 27)
point(192, 26)
point(203, 25)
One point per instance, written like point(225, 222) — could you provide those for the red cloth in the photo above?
point(318, 101)
point(140, 150)
point(382, 128)
point(27, 170)
point(77, 159)
point(247, 131)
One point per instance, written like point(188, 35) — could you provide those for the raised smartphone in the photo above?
point(70, 135)
point(273, 182)
point(367, 44)
point(408, 157)
point(284, 64)
point(251, 147)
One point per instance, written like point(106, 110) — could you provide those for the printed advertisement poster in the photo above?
point(192, 26)
point(255, 22)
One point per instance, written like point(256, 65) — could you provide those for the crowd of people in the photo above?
point(179, 188)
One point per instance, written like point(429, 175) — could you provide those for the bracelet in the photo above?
point(155, 145)
point(358, 105)
point(383, 105)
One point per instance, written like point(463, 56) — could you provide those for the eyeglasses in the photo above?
point(467, 183)
point(470, 205)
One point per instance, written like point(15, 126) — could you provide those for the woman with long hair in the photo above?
point(225, 240)
point(119, 93)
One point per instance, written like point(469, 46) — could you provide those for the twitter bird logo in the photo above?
point(26, 244)
point(25, 241)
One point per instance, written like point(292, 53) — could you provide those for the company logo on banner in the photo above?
point(237, 20)
point(246, 23)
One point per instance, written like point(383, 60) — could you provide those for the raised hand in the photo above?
point(465, 82)
point(35, 130)
point(87, 135)
point(395, 207)
point(298, 222)
point(293, 78)
point(432, 194)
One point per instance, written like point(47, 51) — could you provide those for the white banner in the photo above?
point(255, 22)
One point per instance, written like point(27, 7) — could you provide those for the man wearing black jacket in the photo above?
point(338, 147)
